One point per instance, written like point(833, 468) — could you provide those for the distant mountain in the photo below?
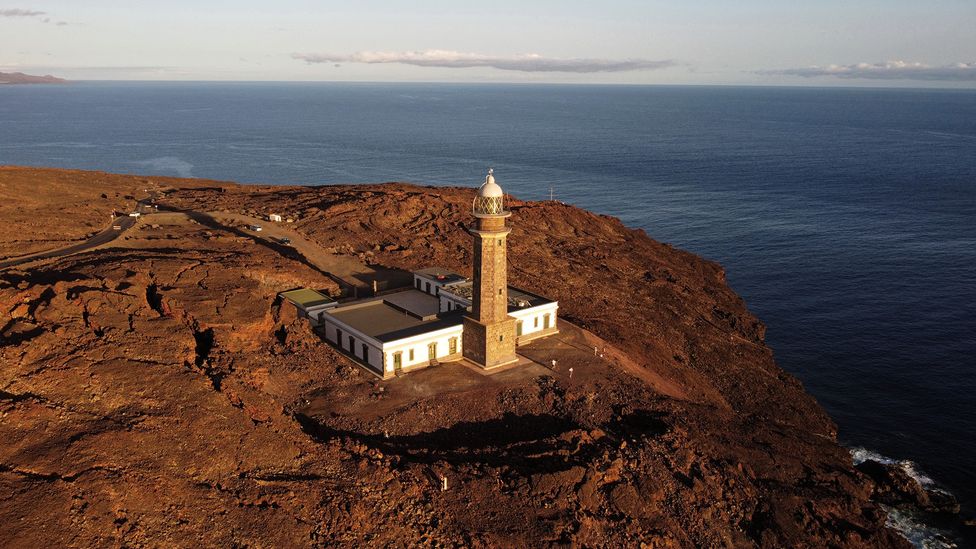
point(21, 78)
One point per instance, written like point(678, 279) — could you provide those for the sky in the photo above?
point(929, 43)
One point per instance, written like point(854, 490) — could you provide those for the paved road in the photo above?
point(107, 235)
point(348, 271)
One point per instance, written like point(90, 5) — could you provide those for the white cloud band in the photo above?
point(891, 70)
point(459, 60)
point(17, 12)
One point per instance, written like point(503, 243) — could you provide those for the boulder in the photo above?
point(895, 487)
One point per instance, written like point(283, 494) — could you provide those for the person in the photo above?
point(570, 373)
point(594, 350)
point(554, 364)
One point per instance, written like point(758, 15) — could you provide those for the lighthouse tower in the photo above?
point(489, 332)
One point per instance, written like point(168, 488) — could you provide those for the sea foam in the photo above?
point(905, 522)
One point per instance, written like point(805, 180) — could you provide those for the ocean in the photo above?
point(846, 218)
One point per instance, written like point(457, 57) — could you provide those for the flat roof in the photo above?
point(443, 276)
point(416, 302)
point(516, 298)
point(380, 320)
point(306, 297)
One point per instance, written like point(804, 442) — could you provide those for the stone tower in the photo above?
point(489, 333)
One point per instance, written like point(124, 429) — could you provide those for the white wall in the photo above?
point(419, 345)
point(446, 298)
point(374, 354)
point(377, 351)
point(424, 282)
point(312, 313)
point(530, 315)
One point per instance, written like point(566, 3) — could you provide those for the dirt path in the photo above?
point(349, 270)
point(573, 347)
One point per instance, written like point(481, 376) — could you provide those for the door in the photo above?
point(432, 351)
point(397, 363)
point(545, 322)
point(518, 328)
point(452, 346)
point(339, 337)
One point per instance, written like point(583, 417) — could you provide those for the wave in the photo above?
point(905, 522)
point(917, 533)
point(860, 455)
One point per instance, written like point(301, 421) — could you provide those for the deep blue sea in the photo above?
point(845, 217)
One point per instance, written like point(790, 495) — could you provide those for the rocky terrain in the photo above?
point(154, 392)
point(66, 208)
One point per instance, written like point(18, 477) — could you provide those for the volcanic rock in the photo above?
point(154, 391)
point(895, 487)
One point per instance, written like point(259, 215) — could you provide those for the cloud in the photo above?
point(891, 70)
point(459, 60)
point(16, 12)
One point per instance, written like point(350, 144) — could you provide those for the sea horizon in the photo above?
point(907, 86)
point(843, 215)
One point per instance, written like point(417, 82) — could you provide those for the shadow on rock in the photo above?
point(527, 443)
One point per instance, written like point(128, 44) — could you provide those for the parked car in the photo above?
point(285, 240)
point(255, 228)
point(117, 227)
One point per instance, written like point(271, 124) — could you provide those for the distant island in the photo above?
point(21, 78)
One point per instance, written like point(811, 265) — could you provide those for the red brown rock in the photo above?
point(225, 422)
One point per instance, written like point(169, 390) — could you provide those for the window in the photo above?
point(501, 338)
point(427, 284)
point(535, 324)
point(352, 345)
point(365, 352)
point(518, 328)
point(499, 242)
point(339, 337)
point(545, 322)
point(410, 355)
point(499, 291)
point(417, 280)
point(452, 346)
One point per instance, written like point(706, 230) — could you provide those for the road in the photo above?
point(105, 236)
point(348, 271)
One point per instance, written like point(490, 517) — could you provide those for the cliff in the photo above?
point(153, 392)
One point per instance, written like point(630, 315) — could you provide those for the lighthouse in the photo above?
point(489, 331)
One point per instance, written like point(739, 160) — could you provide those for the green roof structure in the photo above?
point(306, 297)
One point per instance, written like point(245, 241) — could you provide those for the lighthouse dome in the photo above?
point(489, 187)
point(490, 199)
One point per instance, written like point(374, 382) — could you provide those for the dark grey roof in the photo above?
point(439, 275)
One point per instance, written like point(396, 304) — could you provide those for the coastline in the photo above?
point(397, 206)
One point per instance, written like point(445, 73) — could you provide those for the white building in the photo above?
point(426, 324)
point(535, 315)
point(309, 304)
point(415, 328)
